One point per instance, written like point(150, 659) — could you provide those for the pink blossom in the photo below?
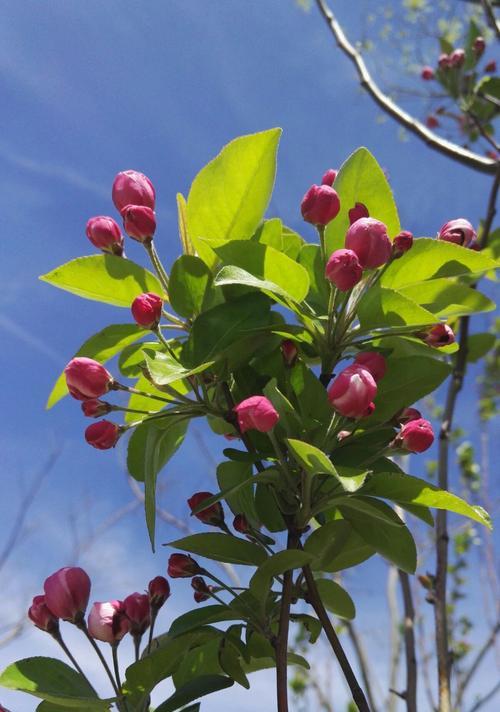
point(67, 593)
point(368, 238)
point(107, 621)
point(352, 391)
point(320, 205)
point(87, 378)
point(343, 269)
point(256, 413)
point(132, 188)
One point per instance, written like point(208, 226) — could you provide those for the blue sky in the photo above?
point(93, 88)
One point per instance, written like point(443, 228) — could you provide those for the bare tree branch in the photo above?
point(489, 696)
point(448, 148)
point(487, 645)
point(490, 17)
point(364, 665)
point(409, 636)
point(395, 637)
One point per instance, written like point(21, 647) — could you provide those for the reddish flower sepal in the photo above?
point(213, 514)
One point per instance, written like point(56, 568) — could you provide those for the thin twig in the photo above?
point(448, 148)
point(395, 637)
point(487, 645)
point(409, 637)
point(489, 696)
point(363, 662)
point(490, 17)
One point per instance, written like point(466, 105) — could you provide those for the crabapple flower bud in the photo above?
point(438, 336)
point(359, 211)
point(136, 609)
point(427, 73)
point(139, 222)
point(320, 205)
point(373, 362)
point(107, 621)
point(479, 45)
point(87, 378)
point(240, 523)
point(408, 414)
point(352, 391)
point(343, 269)
point(105, 234)
point(458, 231)
point(132, 188)
point(402, 243)
point(40, 614)
point(444, 61)
point(290, 352)
point(213, 514)
point(368, 238)
point(256, 413)
point(94, 408)
point(491, 67)
point(182, 566)
point(431, 122)
point(146, 310)
point(457, 58)
point(415, 436)
point(329, 176)
point(201, 589)
point(369, 411)
point(67, 593)
point(103, 435)
point(159, 591)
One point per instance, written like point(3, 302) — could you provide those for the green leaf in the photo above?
point(434, 259)
point(218, 328)
point(236, 482)
point(406, 381)
point(336, 599)
point(263, 267)
point(446, 299)
point(164, 370)
point(150, 447)
point(337, 546)
point(315, 462)
point(101, 347)
point(199, 661)
point(199, 687)
point(229, 660)
point(222, 547)
point(261, 581)
point(275, 234)
point(361, 180)
point(382, 307)
point(267, 508)
point(189, 282)
point(104, 278)
point(406, 489)
point(54, 681)
point(200, 617)
point(478, 345)
point(187, 247)
point(395, 544)
point(489, 86)
point(229, 196)
point(310, 258)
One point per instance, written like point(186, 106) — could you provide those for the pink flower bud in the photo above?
point(67, 593)
point(431, 122)
point(458, 231)
point(107, 621)
point(402, 243)
point(290, 352)
point(368, 238)
point(320, 205)
point(444, 61)
point(159, 591)
point(201, 589)
point(139, 222)
point(328, 177)
point(494, 155)
point(415, 436)
point(438, 336)
point(132, 188)
point(87, 379)
point(479, 46)
point(256, 413)
point(104, 233)
point(407, 415)
point(40, 614)
point(352, 391)
point(213, 514)
point(343, 269)
point(136, 609)
point(457, 58)
point(94, 408)
point(369, 411)
point(427, 73)
point(182, 566)
point(102, 435)
point(146, 310)
point(240, 523)
point(359, 211)
point(491, 67)
point(343, 434)
point(231, 436)
point(373, 362)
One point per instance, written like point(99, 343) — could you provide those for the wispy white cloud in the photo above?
point(27, 338)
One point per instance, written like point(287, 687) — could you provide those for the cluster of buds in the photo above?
point(66, 597)
point(456, 60)
point(352, 392)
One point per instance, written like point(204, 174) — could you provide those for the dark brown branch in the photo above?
point(409, 638)
point(490, 17)
point(363, 663)
point(442, 537)
point(487, 645)
point(316, 602)
point(448, 148)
